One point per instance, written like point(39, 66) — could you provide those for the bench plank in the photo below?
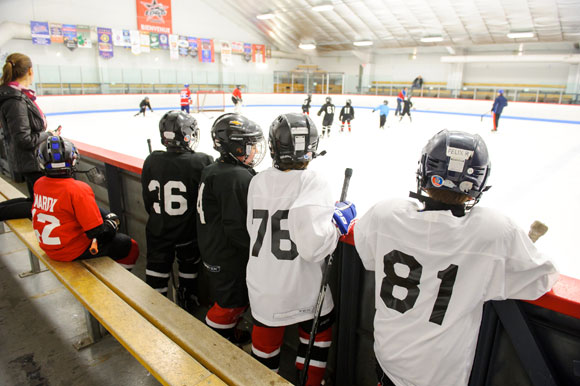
point(214, 352)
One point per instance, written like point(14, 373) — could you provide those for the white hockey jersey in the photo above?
point(291, 232)
point(433, 272)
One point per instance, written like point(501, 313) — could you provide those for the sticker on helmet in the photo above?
point(465, 186)
point(236, 123)
point(300, 143)
point(169, 134)
point(299, 130)
point(436, 181)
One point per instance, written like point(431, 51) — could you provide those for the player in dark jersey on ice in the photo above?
point(407, 104)
point(143, 106)
point(306, 105)
point(435, 266)
point(170, 180)
point(328, 110)
point(221, 220)
point(65, 216)
point(498, 104)
point(346, 115)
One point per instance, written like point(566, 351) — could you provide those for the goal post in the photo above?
point(210, 100)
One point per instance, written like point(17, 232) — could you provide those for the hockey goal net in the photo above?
point(210, 100)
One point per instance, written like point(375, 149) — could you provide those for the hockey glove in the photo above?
point(344, 214)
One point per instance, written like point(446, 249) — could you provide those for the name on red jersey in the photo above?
point(44, 203)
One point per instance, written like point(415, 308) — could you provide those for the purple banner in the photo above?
point(70, 36)
point(105, 36)
point(206, 50)
point(247, 52)
point(193, 44)
point(164, 41)
point(40, 33)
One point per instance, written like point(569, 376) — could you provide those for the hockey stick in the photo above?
point(537, 230)
point(322, 292)
point(483, 115)
point(149, 145)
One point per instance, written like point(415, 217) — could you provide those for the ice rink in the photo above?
point(534, 163)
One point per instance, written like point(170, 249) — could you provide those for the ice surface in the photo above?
point(534, 164)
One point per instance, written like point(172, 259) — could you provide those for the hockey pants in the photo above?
point(382, 121)
point(160, 262)
point(495, 118)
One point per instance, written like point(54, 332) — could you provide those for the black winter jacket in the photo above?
point(23, 129)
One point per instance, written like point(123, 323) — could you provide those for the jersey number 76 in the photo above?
point(278, 234)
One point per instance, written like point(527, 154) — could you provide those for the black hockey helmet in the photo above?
point(57, 156)
point(348, 102)
point(235, 136)
point(386, 102)
point(293, 139)
point(328, 100)
point(457, 161)
point(178, 131)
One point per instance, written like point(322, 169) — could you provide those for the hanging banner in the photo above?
point(247, 52)
point(173, 47)
point(154, 16)
point(206, 51)
point(237, 47)
point(40, 33)
point(183, 45)
point(154, 38)
point(105, 38)
point(135, 42)
point(122, 38)
point(84, 36)
point(164, 41)
point(193, 46)
point(226, 53)
point(258, 53)
point(268, 52)
point(69, 32)
point(145, 41)
point(56, 32)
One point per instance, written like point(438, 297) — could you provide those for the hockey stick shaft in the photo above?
point(483, 115)
point(322, 292)
point(149, 145)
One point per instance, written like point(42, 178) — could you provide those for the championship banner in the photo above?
point(173, 47)
point(135, 42)
point(145, 41)
point(193, 46)
point(122, 38)
point(40, 33)
point(237, 47)
point(183, 45)
point(69, 32)
point(154, 16)
point(84, 36)
point(258, 53)
point(56, 32)
point(206, 51)
point(154, 38)
point(226, 53)
point(247, 52)
point(164, 41)
point(105, 39)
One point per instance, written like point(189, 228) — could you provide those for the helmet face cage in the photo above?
point(58, 156)
point(293, 138)
point(456, 161)
point(179, 130)
point(239, 138)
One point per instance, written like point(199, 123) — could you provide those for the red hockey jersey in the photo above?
point(185, 96)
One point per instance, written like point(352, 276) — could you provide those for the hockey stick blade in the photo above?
point(537, 230)
point(322, 292)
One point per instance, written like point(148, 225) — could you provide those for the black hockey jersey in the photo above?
point(221, 229)
point(328, 110)
point(306, 105)
point(170, 181)
point(346, 113)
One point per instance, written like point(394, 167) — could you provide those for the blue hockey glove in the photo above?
point(344, 214)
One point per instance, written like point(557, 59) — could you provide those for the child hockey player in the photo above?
point(237, 99)
point(306, 105)
point(221, 220)
point(143, 106)
point(384, 112)
point(170, 180)
point(346, 115)
point(435, 267)
point(290, 213)
point(66, 219)
point(498, 104)
point(400, 98)
point(328, 110)
point(407, 109)
point(185, 98)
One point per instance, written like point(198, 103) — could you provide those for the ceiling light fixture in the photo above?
point(307, 46)
point(432, 39)
point(363, 43)
point(451, 50)
point(266, 16)
point(323, 8)
point(520, 35)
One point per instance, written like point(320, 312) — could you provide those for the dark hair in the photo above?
point(16, 66)
point(448, 197)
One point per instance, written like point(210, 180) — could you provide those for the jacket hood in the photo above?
point(7, 92)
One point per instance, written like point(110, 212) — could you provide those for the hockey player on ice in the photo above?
point(185, 98)
point(346, 115)
point(328, 110)
point(221, 220)
point(306, 105)
point(143, 106)
point(169, 181)
point(290, 222)
point(237, 99)
point(407, 109)
point(383, 112)
point(435, 266)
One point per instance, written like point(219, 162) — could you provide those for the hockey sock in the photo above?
point(342, 127)
point(129, 261)
point(224, 320)
point(157, 276)
point(349, 127)
point(318, 356)
point(266, 343)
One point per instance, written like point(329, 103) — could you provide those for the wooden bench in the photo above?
point(174, 346)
